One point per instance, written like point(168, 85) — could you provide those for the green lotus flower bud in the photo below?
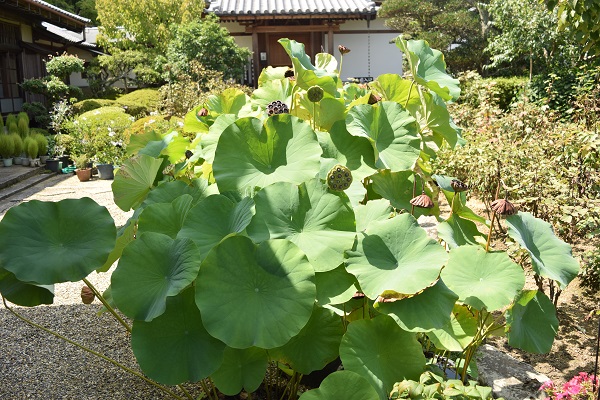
point(315, 93)
point(339, 178)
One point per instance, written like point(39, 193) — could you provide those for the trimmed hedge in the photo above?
point(138, 102)
point(91, 104)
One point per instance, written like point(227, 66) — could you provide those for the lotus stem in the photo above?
point(412, 206)
point(187, 394)
point(412, 83)
point(214, 388)
point(205, 389)
point(108, 306)
point(82, 347)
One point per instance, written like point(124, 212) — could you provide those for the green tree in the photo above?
point(581, 17)
point(129, 66)
point(525, 34)
point(457, 25)
point(84, 8)
point(210, 44)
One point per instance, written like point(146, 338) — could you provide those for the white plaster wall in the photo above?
point(75, 79)
point(26, 33)
point(370, 55)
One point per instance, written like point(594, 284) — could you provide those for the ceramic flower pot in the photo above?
point(105, 171)
point(25, 162)
point(84, 174)
point(18, 160)
point(7, 162)
point(52, 164)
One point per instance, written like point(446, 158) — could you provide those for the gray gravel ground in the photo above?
point(36, 365)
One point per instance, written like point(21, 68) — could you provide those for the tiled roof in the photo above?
point(71, 36)
point(61, 11)
point(291, 7)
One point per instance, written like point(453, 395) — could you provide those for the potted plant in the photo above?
point(83, 169)
point(7, 147)
point(42, 143)
point(18, 150)
point(31, 148)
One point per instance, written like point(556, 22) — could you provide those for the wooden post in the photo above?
point(255, 58)
point(330, 39)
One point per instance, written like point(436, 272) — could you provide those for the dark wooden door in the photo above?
point(277, 56)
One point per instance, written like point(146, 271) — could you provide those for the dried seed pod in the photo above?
point(343, 49)
point(358, 295)
point(422, 201)
point(339, 178)
point(315, 93)
point(374, 98)
point(87, 295)
point(289, 73)
point(203, 112)
point(503, 207)
point(458, 186)
point(277, 107)
point(188, 154)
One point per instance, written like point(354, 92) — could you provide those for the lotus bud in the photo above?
point(503, 207)
point(87, 295)
point(315, 94)
point(422, 201)
point(343, 49)
point(458, 186)
point(339, 178)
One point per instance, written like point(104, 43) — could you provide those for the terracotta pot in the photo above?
point(84, 174)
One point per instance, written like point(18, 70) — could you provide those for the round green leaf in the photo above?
point(395, 255)
point(374, 210)
point(322, 335)
point(456, 231)
point(532, 323)
point(23, 293)
point(134, 180)
point(423, 312)
point(550, 256)
point(397, 187)
point(321, 223)
point(51, 242)
point(458, 333)
point(241, 369)
point(392, 132)
point(382, 353)
point(250, 154)
point(174, 347)
point(255, 295)
point(345, 385)
point(209, 141)
point(471, 272)
point(215, 218)
point(335, 286)
point(152, 268)
point(165, 218)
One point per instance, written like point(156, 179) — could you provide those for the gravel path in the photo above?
point(36, 365)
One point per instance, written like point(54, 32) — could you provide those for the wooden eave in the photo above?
point(254, 18)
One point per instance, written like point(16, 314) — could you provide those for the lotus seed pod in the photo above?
point(503, 207)
point(374, 98)
point(188, 154)
point(277, 107)
point(315, 93)
point(458, 186)
point(422, 201)
point(343, 49)
point(339, 178)
point(87, 295)
point(289, 73)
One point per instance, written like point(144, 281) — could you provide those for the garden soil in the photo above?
point(35, 365)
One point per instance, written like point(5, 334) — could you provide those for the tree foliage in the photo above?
point(84, 8)
point(444, 24)
point(581, 17)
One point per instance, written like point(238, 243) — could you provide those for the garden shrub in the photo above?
point(141, 101)
point(38, 114)
point(590, 270)
point(158, 123)
point(91, 104)
point(40, 131)
point(500, 92)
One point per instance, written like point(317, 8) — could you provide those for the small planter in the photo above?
point(8, 162)
point(65, 160)
point(84, 174)
point(34, 162)
point(105, 171)
point(18, 160)
point(43, 159)
point(52, 164)
point(25, 162)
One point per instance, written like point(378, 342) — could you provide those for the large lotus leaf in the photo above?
point(166, 192)
point(125, 235)
point(326, 61)
point(458, 333)
point(209, 141)
point(471, 272)
point(550, 256)
point(395, 88)
point(175, 347)
point(255, 295)
point(134, 180)
point(229, 101)
point(322, 335)
point(395, 255)
point(398, 188)
point(334, 287)
point(392, 132)
point(345, 385)
point(436, 117)
point(193, 123)
point(51, 242)
point(241, 369)
point(271, 73)
point(306, 74)
point(214, 219)
point(382, 353)
point(531, 322)
point(458, 204)
point(152, 268)
point(165, 218)
point(424, 312)
point(23, 293)
point(456, 231)
point(138, 142)
point(324, 113)
point(429, 68)
point(250, 154)
point(320, 222)
point(172, 145)
point(271, 90)
point(374, 210)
